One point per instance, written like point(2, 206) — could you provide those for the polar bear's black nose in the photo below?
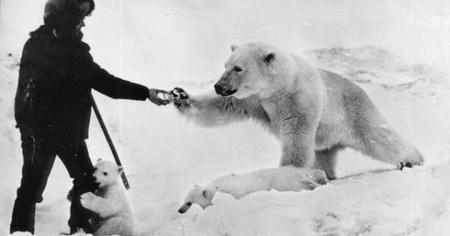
point(185, 207)
point(224, 90)
point(219, 89)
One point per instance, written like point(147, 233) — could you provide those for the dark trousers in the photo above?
point(38, 159)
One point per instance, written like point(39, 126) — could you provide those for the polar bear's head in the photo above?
point(254, 69)
point(198, 195)
point(106, 173)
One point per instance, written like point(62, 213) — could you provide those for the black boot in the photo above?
point(23, 215)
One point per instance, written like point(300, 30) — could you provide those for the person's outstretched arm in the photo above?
point(115, 87)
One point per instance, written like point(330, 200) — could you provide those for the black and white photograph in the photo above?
point(225, 117)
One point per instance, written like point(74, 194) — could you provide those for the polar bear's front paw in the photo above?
point(180, 98)
point(87, 200)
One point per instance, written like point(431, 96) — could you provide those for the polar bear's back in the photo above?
point(285, 178)
point(121, 225)
point(241, 185)
point(289, 178)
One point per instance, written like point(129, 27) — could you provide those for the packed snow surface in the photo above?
point(396, 51)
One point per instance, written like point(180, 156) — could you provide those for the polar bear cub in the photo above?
point(286, 178)
point(109, 202)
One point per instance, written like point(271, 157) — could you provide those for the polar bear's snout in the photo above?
point(185, 207)
point(228, 83)
point(224, 89)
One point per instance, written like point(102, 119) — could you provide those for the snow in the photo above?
point(396, 51)
point(383, 203)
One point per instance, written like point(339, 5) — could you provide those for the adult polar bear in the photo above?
point(313, 112)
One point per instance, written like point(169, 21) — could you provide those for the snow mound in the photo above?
point(370, 64)
point(385, 203)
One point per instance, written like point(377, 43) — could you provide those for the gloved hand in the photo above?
point(153, 97)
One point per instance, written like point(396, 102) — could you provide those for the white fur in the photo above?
point(313, 112)
point(287, 178)
point(109, 202)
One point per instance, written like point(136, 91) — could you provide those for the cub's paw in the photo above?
point(180, 98)
point(87, 199)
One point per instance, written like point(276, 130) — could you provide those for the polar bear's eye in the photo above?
point(237, 68)
point(105, 173)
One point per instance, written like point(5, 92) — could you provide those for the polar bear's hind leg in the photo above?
point(326, 161)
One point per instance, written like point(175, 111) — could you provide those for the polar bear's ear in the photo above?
point(233, 47)
point(99, 159)
point(120, 169)
point(269, 58)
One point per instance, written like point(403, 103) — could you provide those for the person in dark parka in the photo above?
point(53, 107)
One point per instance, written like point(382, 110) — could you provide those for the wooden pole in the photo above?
point(110, 143)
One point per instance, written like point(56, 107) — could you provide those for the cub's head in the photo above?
point(106, 173)
point(252, 69)
point(198, 195)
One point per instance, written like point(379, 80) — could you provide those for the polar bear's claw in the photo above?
point(404, 164)
point(179, 97)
